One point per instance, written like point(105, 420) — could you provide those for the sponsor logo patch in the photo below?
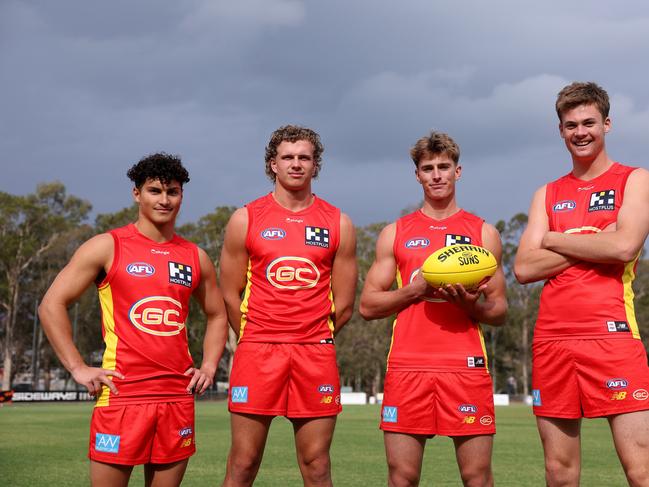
point(457, 240)
point(417, 243)
point(467, 408)
point(180, 274)
point(157, 315)
point(107, 443)
point(316, 236)
point(617, 326)
point(617, 384)
point(185, 432)
point(326, 388)
point(475, 362)
point(640, 395)
point(273, 234)
point(389, 414)
point(536, 398)
point(326, 399)
point(239, 394)
point(159, 252)
point(565, 205)
point(292, 273)
point(602, 200)
point(140, 269)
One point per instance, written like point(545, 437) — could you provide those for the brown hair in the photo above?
point(580, 93)
point(293, 133)
point(435, 144)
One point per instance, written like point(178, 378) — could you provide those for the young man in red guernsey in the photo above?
point(288, 275)
point(584, 236)
point(145, 275)
point(437, 382)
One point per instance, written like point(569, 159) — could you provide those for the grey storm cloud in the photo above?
point(88, 88)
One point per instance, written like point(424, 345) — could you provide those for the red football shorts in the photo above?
point(438, 403)
point(292, 380)
point(135, 434)
point(590, 378)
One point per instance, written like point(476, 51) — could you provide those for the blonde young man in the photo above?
point(288, 274)
point(437, 381)
point(145, 275)
point(584, 236)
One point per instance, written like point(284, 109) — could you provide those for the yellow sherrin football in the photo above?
point(468, 265)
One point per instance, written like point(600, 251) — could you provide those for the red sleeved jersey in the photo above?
point(434, 334)
point(288, 296)
point(144, 303)
point(587, 300)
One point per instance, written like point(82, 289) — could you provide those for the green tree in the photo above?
point(29, 226)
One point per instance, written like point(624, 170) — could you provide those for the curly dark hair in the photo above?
point(159, 166)
point(582, 93)
point(293, 133)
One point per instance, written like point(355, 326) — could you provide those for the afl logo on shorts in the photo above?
point(616, 384)
point(273, 234)
point(565, 205)
point(467, 408)
point(157, 315)
point(292, 273)
point(417, 243)
point(140, 269)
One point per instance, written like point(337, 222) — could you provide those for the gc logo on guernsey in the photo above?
point(152, 313)
point(292, 272)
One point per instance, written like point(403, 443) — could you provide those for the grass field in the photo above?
point(46, 445)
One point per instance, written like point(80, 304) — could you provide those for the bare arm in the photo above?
point(88, 261)
point(620, 245)
point(488, 303)
point(377, 300)
point(209, 297)
point(234, 266)
point(344, 274)
point(533, 262)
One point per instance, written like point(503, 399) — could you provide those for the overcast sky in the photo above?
point(88, 88)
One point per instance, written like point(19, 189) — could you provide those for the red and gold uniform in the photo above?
point(588, 359)
point(285, 363)
point(144, 302)
point(437, 380)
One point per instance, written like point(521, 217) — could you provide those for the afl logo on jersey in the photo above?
point(565, 205)
point(140, 269)
point(417, 243)
point(273, 234)
point(292, 273)
point(157, 315)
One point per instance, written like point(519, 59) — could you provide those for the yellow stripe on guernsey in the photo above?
point(394, 323)
point(330, 319)
point(627, 280)
point(484, 347)
point(110, 338)
point(244, 302)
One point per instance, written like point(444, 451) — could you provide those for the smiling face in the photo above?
point(583, 130)
point(437, 176)
point(159, 203)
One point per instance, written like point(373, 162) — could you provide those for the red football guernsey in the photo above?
point(587, 300)
point(144, 302)
point(434, 334)
point(288, 295)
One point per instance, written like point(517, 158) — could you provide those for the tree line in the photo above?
point(40, 232)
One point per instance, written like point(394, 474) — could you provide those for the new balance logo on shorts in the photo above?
point(616, 326)
point(316, 236)
point(106, 443)
point(180, 274)
point(457, 240)
point(240, 394)
point(602, 200)
point(475, 362)
point(389, 414)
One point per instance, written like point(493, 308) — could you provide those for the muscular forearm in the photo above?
point(538, 264)
point(379, 304)
point(58, 329)
point(604, 247)
point(489, 312)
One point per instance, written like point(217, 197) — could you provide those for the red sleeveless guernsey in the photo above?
point(587, 300)
point(288, 295)
point(434, 335)
point(144, 303)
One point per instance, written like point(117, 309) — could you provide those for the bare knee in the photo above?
point(242, 468)
point(637, 475)
point(402, 475)
point(316, 469)
point(476, 475)
point(562, 471)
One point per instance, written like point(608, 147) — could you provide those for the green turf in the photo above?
point(46, 445)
